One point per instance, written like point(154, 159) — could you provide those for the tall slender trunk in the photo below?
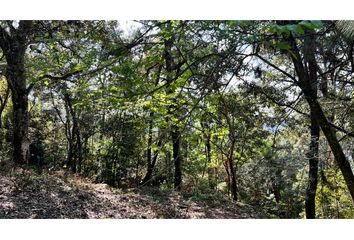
point(232, 171)
point(79, 149)
point(151, 159)
point(230, 157)
point(71, 155)
point(210, 169)
point(310, 200)
point(333, 142)
point(313, 169)
point(74, 151)
point(69, 136)
point(316, 109)
point(176, 141)
point(149, 167)
point(175, 132)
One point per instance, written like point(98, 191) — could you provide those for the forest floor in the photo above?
point(58, 195)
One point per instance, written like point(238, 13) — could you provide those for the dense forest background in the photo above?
point(258, 112)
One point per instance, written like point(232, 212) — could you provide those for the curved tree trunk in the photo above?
point(333, 142)
point(306, 86)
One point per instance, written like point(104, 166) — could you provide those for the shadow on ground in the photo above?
point(55, 196)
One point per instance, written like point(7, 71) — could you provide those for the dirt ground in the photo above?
point(57, 195)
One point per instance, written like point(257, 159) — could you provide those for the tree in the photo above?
point(306, 68)
point(13, 42)
point(305, 83)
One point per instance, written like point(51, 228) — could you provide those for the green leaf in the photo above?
point(77, 67)
point(155, 148)
point(33, 80)
point(312, 25)
point(283, 45)
point(299, 30)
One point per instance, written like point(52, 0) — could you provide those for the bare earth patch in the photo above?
point(58, 196)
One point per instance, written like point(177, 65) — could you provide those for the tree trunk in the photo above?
point(69, 137)
point(151, 161)
point(70, 156)
point(210, 170)
point(149, 167)
point(233, 184)
point(74, 136)
point(333, 142)
point(78, 148)
point(232, 171)
point(176, 141)
point(306, 85)
point(20, 128)
point(17, 80)
point(14, 43)
point(310, 200)
point(276, 181)
point(313, 169)
point(175, 132)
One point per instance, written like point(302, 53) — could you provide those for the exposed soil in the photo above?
point(61, 196)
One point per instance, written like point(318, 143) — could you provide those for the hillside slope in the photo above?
point(60, 196)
